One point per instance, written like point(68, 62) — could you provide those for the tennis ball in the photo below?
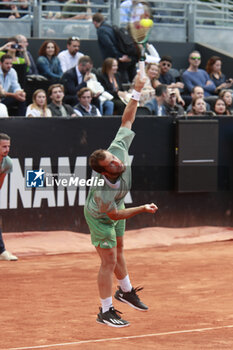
point(146, 22)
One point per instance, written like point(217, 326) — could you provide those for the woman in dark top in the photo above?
point(213, 68)
point(48, 63)
point(111, 81)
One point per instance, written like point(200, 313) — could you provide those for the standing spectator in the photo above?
point(69, 58)
point(76, 78)
point(38, 108)
point(194, 76)
point(156, 104)
point(5, 168)
point(172, 108)
point(214, 69)
point(22, 40)
point(111, 81)
point(71, 11)
point(57, 107)
point(84, 108)
point(12, 94)
point(109, 48)
point(48, 63)
point(226, 95)
point(220, 107)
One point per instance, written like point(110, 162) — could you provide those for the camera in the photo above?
point(16, 46)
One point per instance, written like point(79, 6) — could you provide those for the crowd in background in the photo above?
point(73, 87)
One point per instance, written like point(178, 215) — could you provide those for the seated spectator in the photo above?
point(198, 107)
point(3, 110)
point(156, 105)
point(166, 77)
point(197, 91)
point(32, 68)
point(10, 10)
point(213, 68)
point(13, 48)
point(76, 78)
point(70, 11)
point(48, 63)
point(153, 56)
point(12, 94)
point(69, 58)
point(194, 76)
point(148, 91)
point(38, 108)
point(57, 107)
point(172, 108)
point(84, 108)
point(220, 107)
point(226, 95)
point(111, 81)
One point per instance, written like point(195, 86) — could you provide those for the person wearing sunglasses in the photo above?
point(195, 76)
point(69, 58)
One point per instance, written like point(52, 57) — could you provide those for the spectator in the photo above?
point(109, 48)
point(111, 81)
point(76, 78)
point(165, 76)
point(194, 76)
point(156, 105)
point(10, 10)
point(48, 63)
point(38, 108)
point(12, 94)
point(22, 40)
point(148, 91)
point(171, 107)
point(73, 10)
point(3, 111)
point(57, 107)
point(69, 58)
point(198, 107)
point(220, 107)
point(84, 108)
point(213, 68)
point(14, 49)
point(226, 95)
point(197, 91)
point(153, 56)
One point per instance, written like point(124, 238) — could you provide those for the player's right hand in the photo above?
point(150, 208)
point(139, 82)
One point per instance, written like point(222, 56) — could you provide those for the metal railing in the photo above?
point(175, 20)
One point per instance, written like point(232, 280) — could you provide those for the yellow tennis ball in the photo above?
point(146, 22)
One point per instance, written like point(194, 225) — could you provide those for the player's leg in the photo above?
point(108, 315)
point(4, 254)
point(125, 293)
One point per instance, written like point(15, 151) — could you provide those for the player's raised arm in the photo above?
point(131, 108)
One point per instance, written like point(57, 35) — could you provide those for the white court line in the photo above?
point(122, 338)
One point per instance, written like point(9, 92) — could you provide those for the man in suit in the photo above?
point(76, 78)
point(156, 104)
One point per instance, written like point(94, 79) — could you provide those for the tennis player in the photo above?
point(105, 214)
point(5, 168)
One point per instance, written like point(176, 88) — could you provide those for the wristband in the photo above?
point(136, 95)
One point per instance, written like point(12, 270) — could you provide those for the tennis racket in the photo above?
point(140, 25)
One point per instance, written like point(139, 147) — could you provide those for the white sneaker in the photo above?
point(8, 256)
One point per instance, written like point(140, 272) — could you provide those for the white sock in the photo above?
point(106, 304)
point(125, 284)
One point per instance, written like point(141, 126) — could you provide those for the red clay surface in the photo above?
point(51, 301)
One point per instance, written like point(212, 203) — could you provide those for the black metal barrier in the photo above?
point(60, 146)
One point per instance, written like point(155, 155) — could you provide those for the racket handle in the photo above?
point(142, 69)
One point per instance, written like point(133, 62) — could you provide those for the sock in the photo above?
point(106, 304)
point(125, 284)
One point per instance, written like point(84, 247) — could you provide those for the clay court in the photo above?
point(49, 298)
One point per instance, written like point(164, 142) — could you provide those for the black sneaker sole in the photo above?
point(127, 302)
point(104, 322)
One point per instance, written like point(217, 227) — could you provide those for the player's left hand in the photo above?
point(150, 208)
